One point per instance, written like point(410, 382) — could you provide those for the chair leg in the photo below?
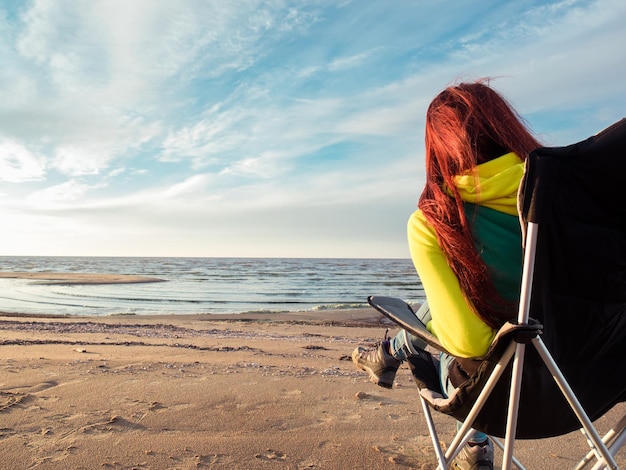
point(465, 431)
point(577, 408)
point(620, 439)
point(453, 451)
point(516, 462)
point(514, 398)
point(530, 251)
point(616, 437)
point(443, 465)
point(497, 372)
point(608, 437)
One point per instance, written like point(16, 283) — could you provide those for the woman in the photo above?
point(465, 238)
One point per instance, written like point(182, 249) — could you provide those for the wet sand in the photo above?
point(51, 278)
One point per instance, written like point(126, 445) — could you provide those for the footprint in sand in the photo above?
point(113, 424)
point(20, 395)
point(9, 399)
point(155, 406)
point(36, 388)
point(271, 454)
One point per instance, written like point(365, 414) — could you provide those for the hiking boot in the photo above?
point(378, 363)
point(475, 457)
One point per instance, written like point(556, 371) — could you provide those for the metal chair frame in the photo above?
point(603, 449)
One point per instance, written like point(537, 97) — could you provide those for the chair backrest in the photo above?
point(575, 194)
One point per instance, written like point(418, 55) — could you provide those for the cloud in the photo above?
point(193, 184)
point(343, 63)
point(59, 195)
point(556, 55)
point(248, 113)
point(77, 161)
point(18, 164)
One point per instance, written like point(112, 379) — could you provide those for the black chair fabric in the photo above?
point(576, 196)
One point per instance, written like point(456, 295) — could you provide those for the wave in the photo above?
point(48, 302)
point(341, 306)
point(210, 285)
point(327, 303)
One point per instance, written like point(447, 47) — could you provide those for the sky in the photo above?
point(271, 128)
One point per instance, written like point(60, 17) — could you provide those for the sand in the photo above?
point(232, 392)
point(51, 278)
point(246, 391)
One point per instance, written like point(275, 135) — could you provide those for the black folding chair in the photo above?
point(572, 312)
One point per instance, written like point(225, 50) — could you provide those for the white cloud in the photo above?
point(193, 184)
point(90, 149)
point(344, 63)
point(269, 164)
point(18, 164)
point(559, 55)
point(203, 140)
point(58, 195)
point(75, 160)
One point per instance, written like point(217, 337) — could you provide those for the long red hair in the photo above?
point(466, 125)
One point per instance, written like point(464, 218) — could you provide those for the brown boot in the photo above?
point(378, 363)
point(475, 457)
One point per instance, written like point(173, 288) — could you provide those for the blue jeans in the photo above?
point(403, 346)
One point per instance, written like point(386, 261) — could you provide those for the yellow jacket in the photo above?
point(493, 185)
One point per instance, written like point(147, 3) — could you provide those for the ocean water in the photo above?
point(207, 285)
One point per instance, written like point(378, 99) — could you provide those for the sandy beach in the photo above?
point(232, 392)
point(239, 391)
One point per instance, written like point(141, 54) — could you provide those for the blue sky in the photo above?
point(266, 128)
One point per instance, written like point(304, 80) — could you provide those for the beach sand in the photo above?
point(222, 392)
point(249, 391)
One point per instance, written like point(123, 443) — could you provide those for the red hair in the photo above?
point(466, 125)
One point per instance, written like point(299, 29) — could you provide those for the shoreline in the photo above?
point(63, 278)
point(357, 317)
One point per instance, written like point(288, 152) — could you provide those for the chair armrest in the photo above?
point(402, 314)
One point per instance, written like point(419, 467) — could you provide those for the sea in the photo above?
point(206, 285)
